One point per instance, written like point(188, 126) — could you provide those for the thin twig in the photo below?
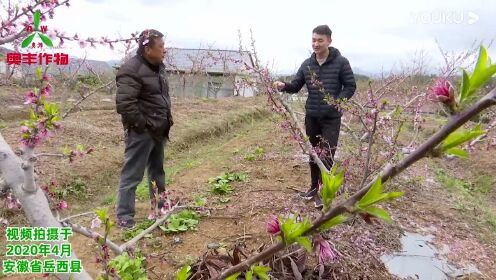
point(307, 144)
point(48, 155)
point(76, 216)
point(158, 222)
point(84, 98)
point(481, 137)
point(369, 151)
point(91, 234)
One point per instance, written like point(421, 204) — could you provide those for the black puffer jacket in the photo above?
point(336, 78)
point(143, 97)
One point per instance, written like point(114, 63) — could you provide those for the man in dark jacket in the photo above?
point(329, 80)
point(144, 104)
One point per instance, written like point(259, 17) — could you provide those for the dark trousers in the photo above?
point(141, 152)
point(323, 134)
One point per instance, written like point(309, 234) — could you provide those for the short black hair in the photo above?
point(322, 30)
point(148, 38)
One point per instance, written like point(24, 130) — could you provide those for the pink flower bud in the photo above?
point(443, 92)
point(62, 205)
point(30, 98)
point(41, 125)
point(152, 216)
point(46, 91)
point(96, 223)
point(274, 225)
point(326, 253)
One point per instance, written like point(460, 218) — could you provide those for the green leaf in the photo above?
point(305, 243)
point(292, 230)
point(249, 275)
point(483, 70)
point(32, 115)
point(372, 194)
point(464, 87)
point(457, 152)
point(333, 222)
point(184, 273)
point(66, 150)
point(261, 271)
point(47, 108)
point(379, 213)
point(79, 148)
point(461, 136)
point(102, 214)
point(234, 276)
point(45, 40)
point(200, 201)
point(296, 230)
point(38, 72)
point(28, 40)
point(224, 199)
point(330, 185)
point(36, 20)
point(482, 62)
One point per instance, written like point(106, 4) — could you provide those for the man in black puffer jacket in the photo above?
point(329, 79)
point(144, 104)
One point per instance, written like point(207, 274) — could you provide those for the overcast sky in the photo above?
point(373, 35)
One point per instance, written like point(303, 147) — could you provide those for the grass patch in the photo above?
point(143, 191)
point(77, 189)
point(110, 199)
point(221, 184)
point(181, 222)
point(452, 182)
point(259, 151)
point(129, 234)
point(471, 198)
point(484, 183)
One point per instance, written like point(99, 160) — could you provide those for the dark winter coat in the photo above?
point(143, 97)
point(334, 78)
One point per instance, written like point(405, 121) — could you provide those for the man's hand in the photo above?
point(279, 85)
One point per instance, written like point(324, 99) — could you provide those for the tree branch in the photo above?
point(27, 165)
point(158, 222)
point(48, 155)
point(11, 38)
point(91, 234)
point(389, 172)
point(307, 144)
point(75, 216)
point(84, 98)
point(369, 151)
point(34, 204)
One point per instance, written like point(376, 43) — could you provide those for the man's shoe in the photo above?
point(318, 202)
point(308, 195)
point(126, 224)
point(160, 204)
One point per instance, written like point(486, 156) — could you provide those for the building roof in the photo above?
point(207, 60)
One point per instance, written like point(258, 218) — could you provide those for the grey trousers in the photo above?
point(141, 152)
